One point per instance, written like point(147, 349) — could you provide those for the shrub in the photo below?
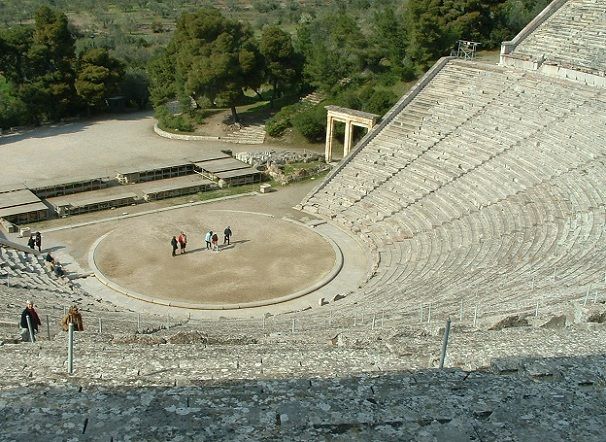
point(276, 126)
point(168, 121)
point(311, 123)
point(380, 102)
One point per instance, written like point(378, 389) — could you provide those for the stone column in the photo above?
point(348, 138)
point(329, 131)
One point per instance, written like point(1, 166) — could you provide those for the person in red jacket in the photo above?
point(182, 239)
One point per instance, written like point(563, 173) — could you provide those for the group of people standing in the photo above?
point(179, 243)
point(73, 316)
point(211, 238)
point(35, 241)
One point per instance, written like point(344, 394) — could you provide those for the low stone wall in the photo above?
point(183, 137)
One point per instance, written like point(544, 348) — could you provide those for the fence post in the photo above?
point(30, 329)
point(445, 343)
point(48, 327)
point(429, 313)
point(374, 319)
point(536, 311)
point(100, 326)
point(70, 349)
point(167, 321)
point(139, 322)
point(421, 313)
point(586, 296)
point(263, 322)
point(293, 325)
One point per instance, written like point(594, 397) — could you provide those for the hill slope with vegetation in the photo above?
point(63, 58)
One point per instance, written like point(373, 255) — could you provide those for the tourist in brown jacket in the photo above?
point(73, 316)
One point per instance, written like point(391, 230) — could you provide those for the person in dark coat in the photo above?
point(39, 241)
point(30, 313)
point(31, 243)
point(174, 243)
point(226, 235)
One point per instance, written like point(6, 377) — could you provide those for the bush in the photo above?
point(311, 123)
point(168, 121)
point(380, 102)
point(276, 126)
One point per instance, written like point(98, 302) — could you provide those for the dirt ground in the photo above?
point(267, 258)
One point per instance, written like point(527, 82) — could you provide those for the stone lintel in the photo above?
point(343, 114)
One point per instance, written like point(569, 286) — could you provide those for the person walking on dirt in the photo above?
point(39, 241)
point(208, 238)
point(182, 241)
point(215, 240)
point(175, 245)
point(226, 235)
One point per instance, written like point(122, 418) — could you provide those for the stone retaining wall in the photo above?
point(183, 137)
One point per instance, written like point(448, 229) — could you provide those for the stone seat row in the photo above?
point(368, 155)
point(588, 227)
point(514, 163)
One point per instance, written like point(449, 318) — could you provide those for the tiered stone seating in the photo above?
point(505, 192)
point(575, 35)
point(308, 386)
point(27, 270)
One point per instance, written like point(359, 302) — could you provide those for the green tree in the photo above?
point(162, 79)
point(98, 76)
point(14, 44)
point(283, 66)
point(389, 36)
point(428, 35)
point(135, 87)
point(12, 109)
point(49, 76)
point(216, 58)
point(335, 50)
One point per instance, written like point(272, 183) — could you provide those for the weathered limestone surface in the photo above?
point(359, 390)
point(573, 37)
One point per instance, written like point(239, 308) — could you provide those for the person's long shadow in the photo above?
point(233, 244)
point(52, 249)
point(221, 247)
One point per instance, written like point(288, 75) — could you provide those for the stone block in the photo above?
point(554, 322)
point(508, 322)
point(265, 188)
point(24, 232)
point(337, 297)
